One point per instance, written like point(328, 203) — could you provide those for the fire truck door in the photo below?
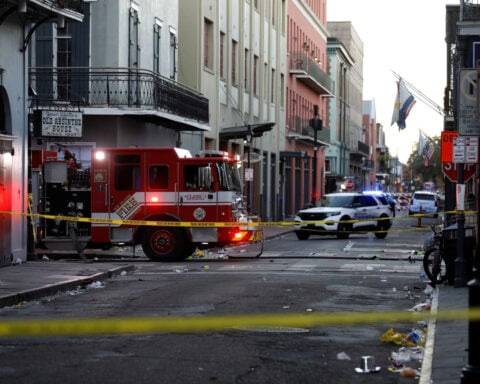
point(126, 192)
point(197, 197)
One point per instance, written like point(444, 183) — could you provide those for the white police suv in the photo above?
point(342, 214)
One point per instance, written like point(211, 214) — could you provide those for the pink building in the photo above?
point(308, 87)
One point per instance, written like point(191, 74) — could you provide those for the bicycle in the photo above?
point(434, 262)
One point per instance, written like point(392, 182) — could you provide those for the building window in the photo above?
point(173, 53)
point(282, 90)
point(274, 11)
point(64, 60)
point(156, 45)
point(328, 166)
point(134, 48)
point(234, 62)
point(222, 55)
point(207, 44)
point(272, 87)
point(255, 75)
point(265, 81)
point(246, 69)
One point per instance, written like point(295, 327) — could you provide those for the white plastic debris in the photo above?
point(96, 285)
point(343, 356)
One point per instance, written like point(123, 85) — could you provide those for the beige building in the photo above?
point(234, 53)
point(355, 139)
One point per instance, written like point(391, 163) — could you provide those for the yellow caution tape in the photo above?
point(63, 327)
point(213, 224)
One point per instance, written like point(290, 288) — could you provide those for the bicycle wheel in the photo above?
point(434, 266)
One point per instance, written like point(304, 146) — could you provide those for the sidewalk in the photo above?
point(448, 340)
point(445, 352)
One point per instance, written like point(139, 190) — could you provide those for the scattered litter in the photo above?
point(45, 258)
point(343, 356)
point(414, 338)
point(419, 307)
point(181, 270)
point(73, 293)
point(309, 310)
point(123, 273)
point(199, 253)
point(17, 261)
point(428, 290)
point(96, 285)
point(205, 267)
point(367, 365)
point(409, 372)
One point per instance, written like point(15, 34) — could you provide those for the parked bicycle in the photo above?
point(434, 258)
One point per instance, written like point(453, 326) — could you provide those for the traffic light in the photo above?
point(316, 123)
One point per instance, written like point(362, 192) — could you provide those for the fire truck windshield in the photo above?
point(229, 177)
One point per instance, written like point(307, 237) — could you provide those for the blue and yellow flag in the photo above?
point(403, 104)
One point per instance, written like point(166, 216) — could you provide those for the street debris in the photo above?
point(367, 365)
point(96, 285)
point(343, 356)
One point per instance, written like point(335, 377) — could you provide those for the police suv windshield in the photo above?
point(336, 201)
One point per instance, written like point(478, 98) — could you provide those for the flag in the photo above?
point(428, 151)
point(425, 148)
point(403, 104)
point(421, 144)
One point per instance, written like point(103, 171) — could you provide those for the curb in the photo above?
point(426, 373)
point(52, 289)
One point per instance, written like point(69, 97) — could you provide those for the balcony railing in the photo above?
point(117, 88)
point(307, 71)
point(301, 128)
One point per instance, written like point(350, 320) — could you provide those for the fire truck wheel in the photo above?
point(164, 244)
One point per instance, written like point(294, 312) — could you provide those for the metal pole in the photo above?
point(248, 139)
point(471, 373)
point(460, 264)
point(248, 181)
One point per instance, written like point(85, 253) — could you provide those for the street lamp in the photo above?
point(316, 124)
point(248, 139)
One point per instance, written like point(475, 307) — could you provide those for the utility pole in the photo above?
point(316, 124)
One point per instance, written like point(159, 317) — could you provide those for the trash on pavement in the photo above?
point(96, 284)
point(342, 356)
point(411, 339)
point(367, 365)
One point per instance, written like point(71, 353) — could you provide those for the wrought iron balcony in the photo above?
point(299, 128)
point(116, 88)
point(307, 71)
point(40, 9)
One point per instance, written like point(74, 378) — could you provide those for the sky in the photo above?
point(406, 37)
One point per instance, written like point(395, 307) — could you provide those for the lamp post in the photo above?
point(316, 124)
point(248, 139)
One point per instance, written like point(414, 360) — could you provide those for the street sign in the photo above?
point(465, 149)
point(446, 145)
point(468, 117)
point(450, 170)
point(349, 184)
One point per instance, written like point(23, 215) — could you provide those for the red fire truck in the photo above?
point(166, 185)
